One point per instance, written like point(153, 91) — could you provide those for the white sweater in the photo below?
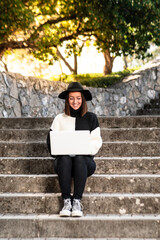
point(89, 122)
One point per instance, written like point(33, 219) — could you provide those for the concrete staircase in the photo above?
point(121, 200)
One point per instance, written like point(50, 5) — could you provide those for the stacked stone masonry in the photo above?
point(31, 97)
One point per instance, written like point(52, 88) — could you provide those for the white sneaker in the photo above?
point(67, 208)
point(77, 208)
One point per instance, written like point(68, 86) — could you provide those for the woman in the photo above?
point(75, 117)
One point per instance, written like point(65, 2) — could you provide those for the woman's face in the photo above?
point(75, 100)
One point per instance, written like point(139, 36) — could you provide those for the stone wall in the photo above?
point(31, 97)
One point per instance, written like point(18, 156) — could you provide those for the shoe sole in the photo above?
point(65, 213)
point(77, 214)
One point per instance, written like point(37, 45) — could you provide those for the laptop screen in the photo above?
point(70, 142)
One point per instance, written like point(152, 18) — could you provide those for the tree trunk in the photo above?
point(125, 62)
point(4, 65)
point(64, 60)
point(108, 62)
point(75, 64)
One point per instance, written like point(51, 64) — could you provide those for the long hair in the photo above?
point(84, 106)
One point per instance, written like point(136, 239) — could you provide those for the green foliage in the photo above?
point(129, 27)
point(15, 15)
point(153, 53)
point(120, 26)
point(95, 80)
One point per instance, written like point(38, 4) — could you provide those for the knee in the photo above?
point(91, 168)
point(63, 161)
point(79, 161)
point(85, 162)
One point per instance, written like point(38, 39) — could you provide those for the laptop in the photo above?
point(70, 142)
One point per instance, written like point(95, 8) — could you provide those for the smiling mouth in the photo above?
point(75, 106)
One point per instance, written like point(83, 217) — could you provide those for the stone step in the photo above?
point(130, 122)
point(108, 149)
point(130, 134)
point(126, 183)
point(92, 203)
point(113, 134)
point(105, 122)
point(149, 111)
point(23, 135)
point(154, 105)
point(90, 226)
point(25, 123)
point(44, 165)
point(157, 100)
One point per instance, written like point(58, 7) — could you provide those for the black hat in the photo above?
point(76, 87)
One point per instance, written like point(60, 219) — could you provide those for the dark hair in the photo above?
point(84, 106)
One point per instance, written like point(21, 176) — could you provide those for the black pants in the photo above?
point(79, 167)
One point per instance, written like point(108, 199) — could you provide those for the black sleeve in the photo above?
point(95, 122)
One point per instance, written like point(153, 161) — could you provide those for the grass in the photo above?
point(96, 80)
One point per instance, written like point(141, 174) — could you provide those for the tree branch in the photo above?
point(64, 60)
point(4, 64)
point(30, 44)
point(14, 45)
point(74, 35)
point(53, 21)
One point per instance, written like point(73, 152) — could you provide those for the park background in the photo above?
point(39, 38)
